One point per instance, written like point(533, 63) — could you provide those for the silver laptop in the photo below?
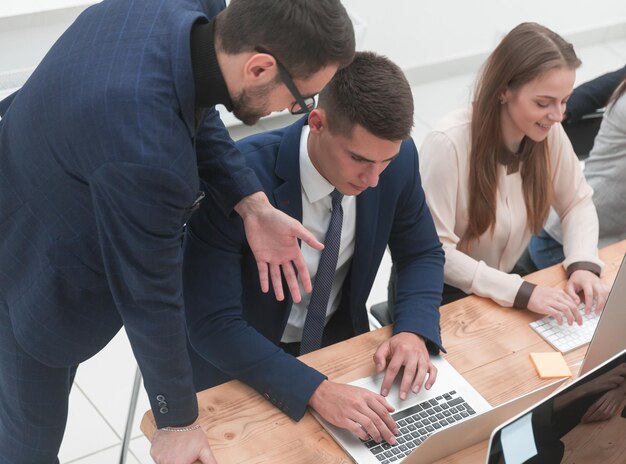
point(609, 337)
point(476, 428)
point(539, 434)
point(451, 400)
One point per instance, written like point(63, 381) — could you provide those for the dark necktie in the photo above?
point(316, 312)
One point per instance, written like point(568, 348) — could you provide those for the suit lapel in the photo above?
point(288, 194)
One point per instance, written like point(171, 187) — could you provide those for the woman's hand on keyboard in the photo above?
point(594, 290)
point(556, 303)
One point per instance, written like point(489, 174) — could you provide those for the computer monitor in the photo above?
point(609, 337)
point(573, 425)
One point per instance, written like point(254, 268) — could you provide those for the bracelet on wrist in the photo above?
point(189, 428)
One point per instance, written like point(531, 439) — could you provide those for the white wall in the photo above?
point(411, 32)
point(25, 38)
point(414, 33)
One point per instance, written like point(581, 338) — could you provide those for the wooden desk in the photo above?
point(488, 344)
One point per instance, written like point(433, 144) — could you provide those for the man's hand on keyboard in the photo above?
point(594, 290)
point(356, 409)
point(406, 350)
point(556, 303)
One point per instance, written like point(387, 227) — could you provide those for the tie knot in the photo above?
point(336, 197)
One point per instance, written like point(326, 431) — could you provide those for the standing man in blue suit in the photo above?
point(352, 143)
point(101, 155)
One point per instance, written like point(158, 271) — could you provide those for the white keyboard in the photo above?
point(567, 337)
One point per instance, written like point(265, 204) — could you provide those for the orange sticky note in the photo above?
point(550, 365)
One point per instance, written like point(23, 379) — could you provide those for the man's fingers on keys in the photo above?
point(390, 374)
point(420, 377)
point(432, 375)
point(384, 410)
point(382, 420)
point(373, 426)
point(411, 370)
point(354, 425)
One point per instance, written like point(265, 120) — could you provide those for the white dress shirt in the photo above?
point(316, 210)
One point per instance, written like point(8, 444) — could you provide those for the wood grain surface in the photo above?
point(488, 344)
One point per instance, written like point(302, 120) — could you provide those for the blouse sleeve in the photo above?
point(443, 177)
point(573, 203)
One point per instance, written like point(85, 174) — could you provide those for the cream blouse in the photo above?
point(444, 158)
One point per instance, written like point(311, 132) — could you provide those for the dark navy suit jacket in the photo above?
point(99, 162)
point(236, 328)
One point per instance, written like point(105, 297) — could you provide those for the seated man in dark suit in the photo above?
point(356, 144)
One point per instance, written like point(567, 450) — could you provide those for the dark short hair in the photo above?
point(304, 35)
point(372, 92)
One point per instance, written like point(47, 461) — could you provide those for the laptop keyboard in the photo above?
point(416, 423)
point(566, 337)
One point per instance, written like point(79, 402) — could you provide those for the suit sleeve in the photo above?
point(593, 95)
point(419, 259)
point(221, 166)
point(215, 252)
point(139, 212)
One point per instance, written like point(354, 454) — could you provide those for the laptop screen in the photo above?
point(583, 423)
point(609, 337)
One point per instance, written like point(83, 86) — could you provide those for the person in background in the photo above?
point(605, 171)
point(101, 155)
point(350, 173)
point(592, 95)
point(492, 171)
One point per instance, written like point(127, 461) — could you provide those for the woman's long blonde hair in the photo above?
point(525, 53)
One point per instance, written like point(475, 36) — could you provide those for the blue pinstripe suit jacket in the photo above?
point(235, 329)
point(99, 162)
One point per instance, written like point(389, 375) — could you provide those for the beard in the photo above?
point(251, 104)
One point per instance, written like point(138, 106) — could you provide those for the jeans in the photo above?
point(545, 251)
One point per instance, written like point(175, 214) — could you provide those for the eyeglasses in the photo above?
point(302, 105)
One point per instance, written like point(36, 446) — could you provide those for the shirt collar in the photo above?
point(511, 160)
point(314, 185)
point(208, 79)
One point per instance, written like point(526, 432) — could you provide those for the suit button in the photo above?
point(162, 403)
point(164, 410)
point(266, 396)
point(160, 398)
